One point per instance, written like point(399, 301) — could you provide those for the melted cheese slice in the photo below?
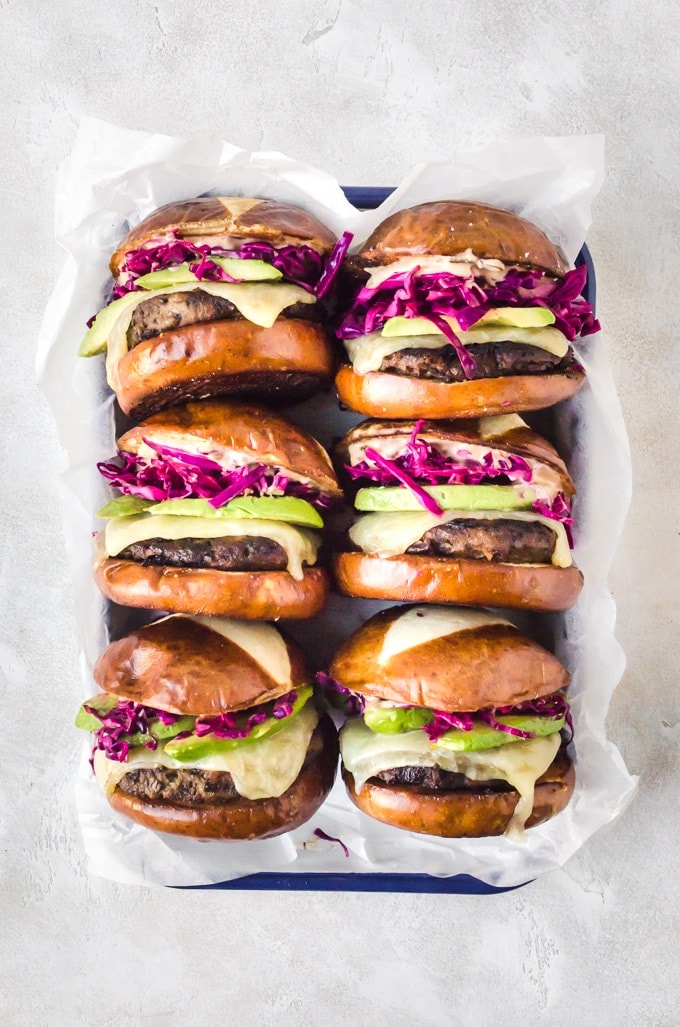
point(366, 753)
point(300, 545)
point(421, 624)
point(259, 302)
point(390, 534)
point(367, 352)
point(260, 770)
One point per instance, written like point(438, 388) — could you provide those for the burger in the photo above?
point(209, 727)
point(459, 309)
point(476, 513)
point(457, 723)
point(220, 513)
point(219, 295)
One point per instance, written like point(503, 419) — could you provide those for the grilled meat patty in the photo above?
point(174, 310)
point(492, 359)
point(499, 540)
point(192, 787)
point(237, 553)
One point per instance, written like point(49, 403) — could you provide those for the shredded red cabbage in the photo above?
point(300, 265)
point(467, 299)
point(329, 838)
point(174, 474)
point(126, 719)
point(390, 467)
point(343, 698)
point(225, 725)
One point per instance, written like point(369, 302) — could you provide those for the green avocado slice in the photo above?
point(511, 317)
point(157, 729)
point(241, 269)
point(264, 508)
point(398, 720)
point(482, 736)
point(97, 334)
point(448, 497)
point(123, 506)
point(102, 704)
point(193, 747)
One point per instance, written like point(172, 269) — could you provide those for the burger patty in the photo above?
point(174, 310)
point(492, 359)
point(434, 779)
point(192, 787)
point(500, 540)
point(237, 553)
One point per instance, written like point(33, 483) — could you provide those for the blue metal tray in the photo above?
point(460, 884)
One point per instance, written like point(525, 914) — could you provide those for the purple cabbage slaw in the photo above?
point(421, 463)
point(174, 474)
point(300, 265)
point(552, 707)
point(466, 300)
point(129, 718)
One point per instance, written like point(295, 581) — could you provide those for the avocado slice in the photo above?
point(448, 497)
point(193, 747)
point(242, 270)
point(387, 720)
point(102, 704)
point(97, 334)
point(482, 736)
point(514, 317)
point(123, 506)
point(264, 508)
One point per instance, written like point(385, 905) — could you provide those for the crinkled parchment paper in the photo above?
point(113, 179)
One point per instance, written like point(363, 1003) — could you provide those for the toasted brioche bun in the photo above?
point(184, 666)
point(464, 813)
point(249, 595)
point(270, 221)
point(245, 819)
point(503, 436)
point(483, 661)
point(379, 394)
point(439, 579)
point(286, 363)
point(449, 227)
point(256, 433)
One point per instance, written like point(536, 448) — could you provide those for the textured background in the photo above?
point(363, 91)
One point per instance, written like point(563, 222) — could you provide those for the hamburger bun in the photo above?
point(206, 667)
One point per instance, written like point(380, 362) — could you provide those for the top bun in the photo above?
point(447, 659)
point(256, 434)
point(507, 433)
point(449, 227)
point(249, 218)
point(201, 665)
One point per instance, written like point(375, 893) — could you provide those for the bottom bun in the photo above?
point(245, 819)
point(439, 579)
point(249, 595)
point(379, 394)
point(463, 814)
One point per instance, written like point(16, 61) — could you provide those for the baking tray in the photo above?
point(367, 198)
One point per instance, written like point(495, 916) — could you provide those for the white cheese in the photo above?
point(390, 534)
point(366, 753)
point(260, 640)
point(367, 352)
point(300, 544)
point(260, 770)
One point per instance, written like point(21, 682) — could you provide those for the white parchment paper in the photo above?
point(113, 179)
